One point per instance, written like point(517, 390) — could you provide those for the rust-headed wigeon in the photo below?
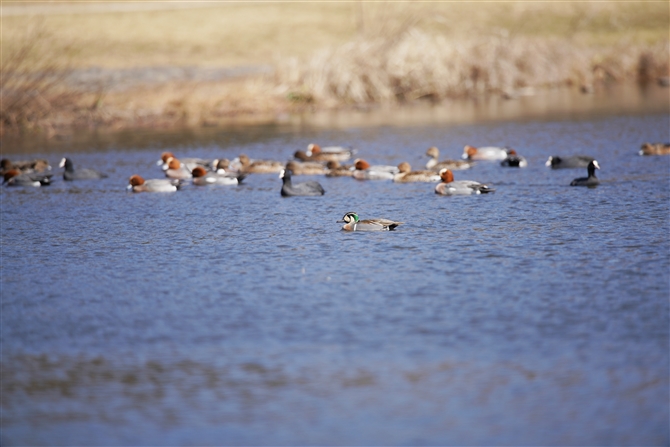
point(176, 170)
point(203, 177)
point(137, 184)
point(189, 162)
point(490, 153)
point(364, 171)
point(14, 177)
point(449, 187)
point(335, 153)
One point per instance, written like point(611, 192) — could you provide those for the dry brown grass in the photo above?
point(463, 49)
point(244, 33)
point(31, 81)
point(326, 55)
point(416, 65)
point(209, 34)
point(191, 105)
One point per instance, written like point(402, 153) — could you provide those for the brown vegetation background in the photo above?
point(70, 65)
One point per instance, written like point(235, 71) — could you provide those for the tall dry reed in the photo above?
point(416, 64)
point(32, 76)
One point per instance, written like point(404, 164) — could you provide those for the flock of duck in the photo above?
point(315, 160)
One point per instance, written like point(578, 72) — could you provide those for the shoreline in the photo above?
point(548, 104)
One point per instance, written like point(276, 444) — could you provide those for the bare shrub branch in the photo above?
point(32, 78)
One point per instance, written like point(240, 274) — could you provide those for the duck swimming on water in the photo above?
point(353, 223)
point(572, 162)
point(202, 177)
point(289, 189)
point(435, 165)
point(514, 160)
point(363, 171)
point(591, 180)
point(80, 174)
point(244, 164)
point(655, 149)
point(14, 177)
point(335, 153)
point(406, 175)
point(137, 184)
point(490, 153)
point(449, 187)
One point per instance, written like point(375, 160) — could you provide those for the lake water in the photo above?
point(230, 315)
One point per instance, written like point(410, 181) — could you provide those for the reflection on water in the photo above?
point(230, 315)
point(453, 398)
point(554, 104)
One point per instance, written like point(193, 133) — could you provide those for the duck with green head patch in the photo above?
point(353, 223)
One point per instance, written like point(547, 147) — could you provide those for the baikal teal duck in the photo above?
point(353, 223)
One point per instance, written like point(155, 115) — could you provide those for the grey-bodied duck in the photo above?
point(435, 165)
point(335, 169)
point(353, 223)
point(305, 168)
point(488, 153)
point(137, 184)
point(14, 177)
point(244, 164)
point(449, 187)
point(406, 175)
point(202, 177)
point(189, 162)
point(363, 171)
point(336, 153)
point(177, 170)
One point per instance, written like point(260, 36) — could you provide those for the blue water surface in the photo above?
point(230, 315)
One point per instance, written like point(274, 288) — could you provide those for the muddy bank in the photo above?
point(553, 104)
